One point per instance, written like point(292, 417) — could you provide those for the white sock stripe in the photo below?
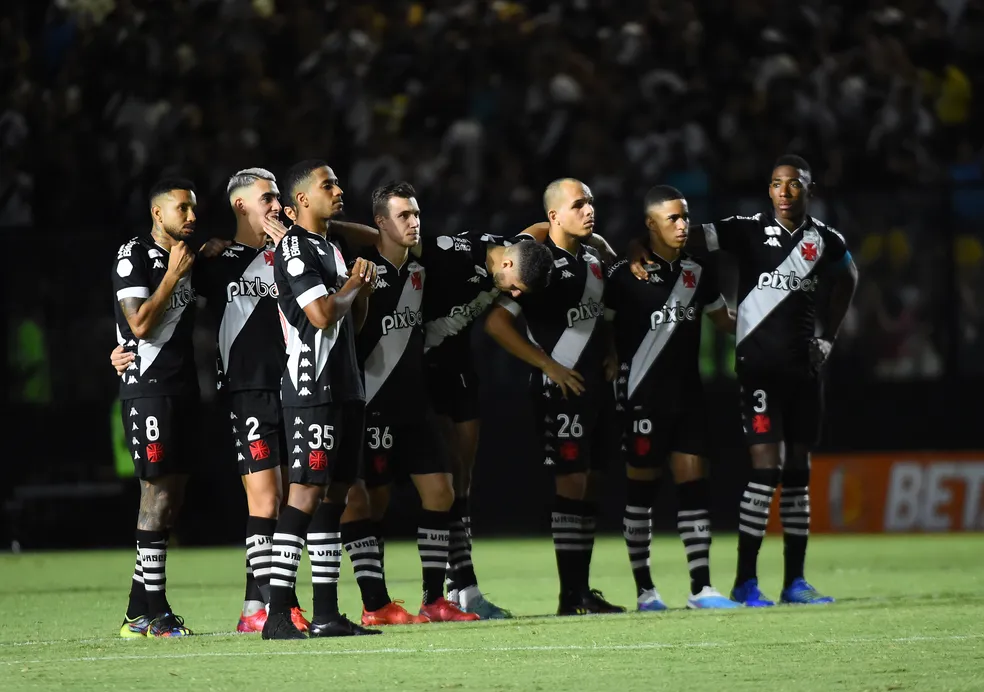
point(633, 509)
point(639, 550)
point(691, 524)
point(325, 580)
point(567, 536)
point(572, 547)
point(260, 573)
point(367, 562)
point(443, 545)
point(753, 509)
point(430, 564)
point(748, 496)
point(281, 583)
point(153, 587)
point(691, 513)
point(752, 519)
point(288, 538)
point(750, 531)
point(703, 536)
point(700, 562)
point(763, 488)
point(436, 554)
point(367, 574)
point(282, 572)
point(805, 489)
point(795, 532)
point(639, 564)
point(698, 548)
point(637, 523)
point(324, 537)
point(796, 521)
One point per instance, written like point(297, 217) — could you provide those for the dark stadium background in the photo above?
point(479, 105)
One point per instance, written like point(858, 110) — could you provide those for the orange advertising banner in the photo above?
point(894, 492)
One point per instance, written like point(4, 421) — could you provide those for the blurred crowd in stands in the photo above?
point(480, 103)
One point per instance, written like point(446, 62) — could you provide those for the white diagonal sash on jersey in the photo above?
point(656, 339)
point(760, 302)
point(149, 349)
point(390, 347)
point(575, 338)
point(237, 312)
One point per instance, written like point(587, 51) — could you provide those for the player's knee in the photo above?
point(573, 486)
point(765, 456)
point(798, 457)
point(266, 506)
point(687, 468)
point(438, 498)
point(635, 473)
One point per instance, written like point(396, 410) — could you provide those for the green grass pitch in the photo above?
point(910, 616)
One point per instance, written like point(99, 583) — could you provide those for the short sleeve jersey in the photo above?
point(778, 275)
point(165, 358)
point(321, 363)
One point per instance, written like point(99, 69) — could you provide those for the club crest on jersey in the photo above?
point(251, 289)
point(268, 257)
point(401, 320)
point(585, 311)
point(786, 282)
point(417, 280)
point(595, 269)
point(689, 279)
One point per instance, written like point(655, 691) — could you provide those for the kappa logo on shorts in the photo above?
point(318, 460)
point(259, 450)
point(155, 452)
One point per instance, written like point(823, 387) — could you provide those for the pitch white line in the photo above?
point(503, 649)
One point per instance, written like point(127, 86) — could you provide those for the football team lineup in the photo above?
point(323, 325)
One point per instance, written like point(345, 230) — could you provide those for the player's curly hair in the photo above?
point(384, 193)
point(534, 263)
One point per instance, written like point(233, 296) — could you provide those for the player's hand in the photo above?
point(121, 360)
point(214, 247)
point(611, 367)
point(819, 352)
point(362, 272)
point(565, 378)
point(274, 229)
point(181, 259)
point(371, 278)
point(639, 257)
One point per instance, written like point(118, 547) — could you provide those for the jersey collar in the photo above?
point(807, 222)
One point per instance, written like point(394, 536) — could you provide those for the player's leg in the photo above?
point(161, 430)
point(694, 527)
point(465, 448)
point(264, 496)
point(642, 453)
point(803, 432)
point(436, 496)
point(310, 431)
point(761, 404)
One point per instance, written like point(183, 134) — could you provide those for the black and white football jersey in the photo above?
point(657, 325)
point(778, 275)
point(566, 319)
point(165, 360)
point(241, 295)
point(391, 343)
point(321, 363)
point(460, 288)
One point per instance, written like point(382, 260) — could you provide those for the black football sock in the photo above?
point(588, 529)
point(363, 550)
point(694, 526)
point(259, 552)
point(153, 559)
point(377, 527)
point(138, 597)
point(753, 515)
point(462, 570)
point(637, 529)
point(324, 543)
point(794, 510)
point(288, 545)
point(432, 544)
point(571, 544)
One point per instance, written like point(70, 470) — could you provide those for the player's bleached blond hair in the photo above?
point(245, 178)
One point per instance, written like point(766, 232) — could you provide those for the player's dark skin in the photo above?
point(790, 190)
point(174, 221)
point(314, 203)
point(668, 224)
